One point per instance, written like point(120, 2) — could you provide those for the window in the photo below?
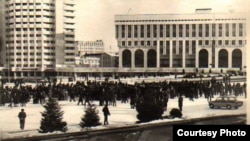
point(142, 31)
point(240, 29)
point(234, 30)
point(240, 42)
point(148, 31)
point(193, 30)
point(233, 42)
point(142, 43)
point(226, 42)
point(135, 31)
point(148, 43)
point(155, 31)
point(129, 31)
point(207, 42)
point(167, 30)
point(187, 30)
point(136, 43)
point(220, 42)
point(123, 43)
point(227, 30)
point(200, 30)
point(155, 43)
point(180, 30)
point(220, 30)
point(129, 43)
point(174, 30)
point(161, 30)
point(200, 42)
point(213, 30)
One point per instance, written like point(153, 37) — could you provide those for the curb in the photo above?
point(128, 128)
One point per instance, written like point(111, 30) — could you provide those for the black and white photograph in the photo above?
point(121, 70)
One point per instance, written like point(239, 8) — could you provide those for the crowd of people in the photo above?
point(108, 92)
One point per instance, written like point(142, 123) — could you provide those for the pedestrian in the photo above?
point(106, 113)
point(180, 102)
point(22, 116)
point(80, 100)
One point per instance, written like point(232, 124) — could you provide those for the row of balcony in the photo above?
point(30, 21)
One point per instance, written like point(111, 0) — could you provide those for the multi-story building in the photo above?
point(89, 47)
point(98, 60)
point(36, 36)
point(181, 41)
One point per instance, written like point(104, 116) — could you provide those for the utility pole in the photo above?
point(8, 50)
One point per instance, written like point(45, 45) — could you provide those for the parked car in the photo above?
point(228, 102)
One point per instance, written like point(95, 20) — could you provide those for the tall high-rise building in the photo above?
point(36, 36)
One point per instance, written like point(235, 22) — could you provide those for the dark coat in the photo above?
point(105, 111)
point(22, 115)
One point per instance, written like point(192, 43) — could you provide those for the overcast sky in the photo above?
point(95, 18)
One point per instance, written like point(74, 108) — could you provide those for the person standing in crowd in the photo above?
point(180, 102)
point(106, 113)
point(22, 116)
point(80, 100)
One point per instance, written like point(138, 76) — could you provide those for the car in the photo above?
point(228, 102)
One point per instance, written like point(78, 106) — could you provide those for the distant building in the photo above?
point(185, 41)
point(89, 47)
point(98, 60)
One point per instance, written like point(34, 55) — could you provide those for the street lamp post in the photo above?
point(8, 53)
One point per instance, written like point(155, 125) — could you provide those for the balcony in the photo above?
point(47, 32)
point(32, 19)
point(25, 13)
point(69, 14)
point(69, 51)
point(69, 33)
point(68, 7)
point(69, 26)
point(71, 2)
point(48, 26)
point(38, 13)
point(69, 56)
point(69, 45)
point(69, 38)
point(69, 20)
point(11, 14)
point(48, 20)
point(19, 25)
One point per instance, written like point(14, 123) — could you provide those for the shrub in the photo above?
point(148, 111)
point(175, 113)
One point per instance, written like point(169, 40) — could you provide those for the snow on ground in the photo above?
point(121, 115)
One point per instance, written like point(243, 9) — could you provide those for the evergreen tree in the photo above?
point(150, 107)
point(52, 117)
point(91, 117)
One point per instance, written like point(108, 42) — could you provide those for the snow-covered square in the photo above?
point(121, 115)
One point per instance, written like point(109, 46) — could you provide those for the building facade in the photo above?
point(182, 41)
point(36, 36)
point(89, 47)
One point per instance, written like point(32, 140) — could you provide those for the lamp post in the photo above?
point(8, 53)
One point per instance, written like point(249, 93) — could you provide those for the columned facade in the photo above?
point(183, 41)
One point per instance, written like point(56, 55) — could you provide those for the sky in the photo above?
point(95, 18)
point(9, 125)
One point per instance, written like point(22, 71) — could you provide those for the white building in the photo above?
point(36, 36)
point(182, 41)
point(89, 47)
